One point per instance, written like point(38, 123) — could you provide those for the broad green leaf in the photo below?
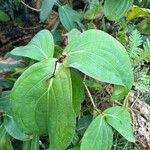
point(75, 140)
point(91, 25)
point(69, 17)
point(99, 55)
point(46, 9)
point(93, 84)
point(43, 105)
point(63, 119)
point(58, 39)
point(144, 26)
point(4, 83)
point(26, 145)
point(5, 102)
point(136, 11)
point(39, 48)
point(119, 118)
point(78, 91)
point(94, 11)
point(5, 143)
point(58, 51)
point(3, 16)
point(24, 97)
point(2, 137)
point(98, 136)
point(73, 35)
point(114, 10)
point(118, 93)
point(83, 123)
point(13, 130)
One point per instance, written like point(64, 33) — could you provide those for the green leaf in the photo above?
point(78, 91)
point(39, 48)
point(136, 11)
point(2, 135)
point(63, 118)
point(83, 123)
point(28, 90)
point(118, 93)
point(3, 16)
point(94, 11)
point(5, 102)
point(99, 55)
point(26, 145)
point(93, 84)
point(46, 9)
point(43, 105)
point(114, 10)
point(13, 130)
point(69, 17)
point(73, 35)
point(5, 143)
point(98, 136)
point(119, 118)
point(146, 54)
point(5, 83)
point(144, 26)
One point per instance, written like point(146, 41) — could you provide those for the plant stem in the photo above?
point(35, 143)
point(135, 99)
point(58, 4)
point(34, 9)
point(125, 103)
point(90, 96)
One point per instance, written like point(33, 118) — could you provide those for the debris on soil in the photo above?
point(141, 122)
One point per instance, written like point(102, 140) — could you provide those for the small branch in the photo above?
point(42, 145)
point(125, 103)
point(55, 25)
point(135, 99)
point(90, 96)
point(34, 9)
point(32, 28)
point(58, 4)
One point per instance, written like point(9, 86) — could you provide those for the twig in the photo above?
point(55, 25)
point(135, 100)
point(42, 145)
point(32, 28)
point(34, 9)
point(90, 96)
point(125, 103)
point(58, 4)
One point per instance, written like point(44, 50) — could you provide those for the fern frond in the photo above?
point(146, 53)
point(142, 79)
point(135, 40)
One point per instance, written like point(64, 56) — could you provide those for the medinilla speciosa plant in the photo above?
point(46, 98)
